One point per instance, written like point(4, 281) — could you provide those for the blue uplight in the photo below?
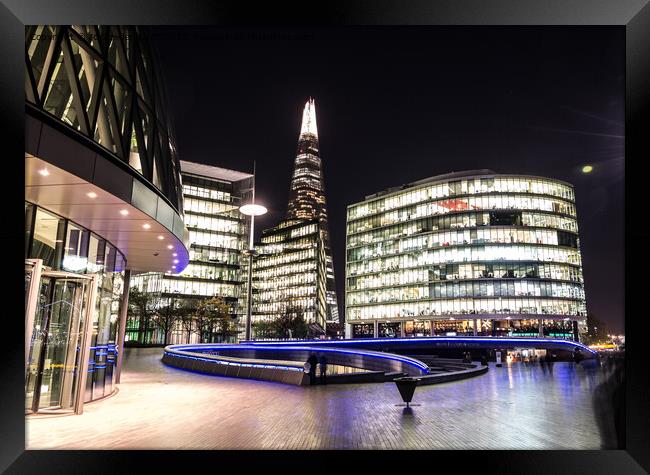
point(495, 340)
point(300, 347)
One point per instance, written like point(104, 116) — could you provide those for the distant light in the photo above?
point(587, 169)
point(174, 254)
point(124, 212)
point(175, 261)
point(173, 267)
point(253, 209)
point(91, 194)
point(146, 225)
point(170, 247)
point(44, 172)
point(161, 237)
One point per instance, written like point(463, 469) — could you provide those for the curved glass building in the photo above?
point(467, 253)
point(102, 199)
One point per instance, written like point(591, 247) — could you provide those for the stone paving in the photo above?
point(158, 407)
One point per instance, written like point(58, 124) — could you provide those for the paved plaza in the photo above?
point(518, 406)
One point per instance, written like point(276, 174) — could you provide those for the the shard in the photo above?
point(307, 195)
point(293, 272)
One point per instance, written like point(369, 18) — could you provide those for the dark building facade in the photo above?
point(294, 266)
point(102, 200)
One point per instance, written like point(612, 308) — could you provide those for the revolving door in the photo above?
point(58, 324)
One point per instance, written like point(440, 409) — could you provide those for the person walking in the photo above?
point(549, 362)
point(323, 369)
point(313, 361)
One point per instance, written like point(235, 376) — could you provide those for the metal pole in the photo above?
point(250, 295)
point(32, 302)
point(124, 307)
point(85, 345)
point(249, 302)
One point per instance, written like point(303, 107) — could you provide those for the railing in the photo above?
point(277, 363)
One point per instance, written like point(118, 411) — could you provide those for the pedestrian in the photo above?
point(313, 361)
point(549, 362)
point(322, 361)
point(307, 367)
point(577, 356)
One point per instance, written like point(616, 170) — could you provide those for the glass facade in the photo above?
point(293, 269)
point(97, 95)
point(101, 82)
point(60, 315)
point(218, 233)
point(307, 197)
point(289, 272)
point(466, 253)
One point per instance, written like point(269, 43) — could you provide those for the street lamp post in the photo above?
point(252, 210)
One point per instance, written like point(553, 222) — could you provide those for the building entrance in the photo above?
point(58, 323)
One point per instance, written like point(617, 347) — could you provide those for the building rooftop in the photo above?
point(210, 171)
point(483, 172)
point(443, 177)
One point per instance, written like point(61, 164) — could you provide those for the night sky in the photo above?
point(395, 105)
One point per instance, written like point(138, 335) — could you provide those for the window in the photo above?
point(48, 238)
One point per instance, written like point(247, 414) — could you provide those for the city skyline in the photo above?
point(398, 105)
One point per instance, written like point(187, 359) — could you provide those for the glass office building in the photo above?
point(468, 253)
point(288, 270)
point(102, 200)
point(218, 233)
point(289, 274)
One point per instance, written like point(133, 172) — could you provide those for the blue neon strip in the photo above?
point(403, 359)
point(177, 355)
point(495, 340)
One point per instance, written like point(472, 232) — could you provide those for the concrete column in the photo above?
point(475, 330)
point(124, 306)
point(348, 330)
point(433, 328)
point(541, 328)
point(376, 329)
point(401, 329)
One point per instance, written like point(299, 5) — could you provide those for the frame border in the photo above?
point(633, 15)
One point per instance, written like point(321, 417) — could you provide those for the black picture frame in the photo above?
point(633, 15)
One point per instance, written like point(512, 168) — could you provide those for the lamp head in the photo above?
point(253, 209)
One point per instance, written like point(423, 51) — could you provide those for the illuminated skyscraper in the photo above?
point(294, 268)
point(307, 195)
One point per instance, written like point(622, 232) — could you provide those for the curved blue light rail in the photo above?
point(365, 341)
point(203, 347)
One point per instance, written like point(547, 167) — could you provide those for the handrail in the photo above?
point(200, 348)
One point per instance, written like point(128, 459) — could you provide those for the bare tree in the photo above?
point(213, 317)
point(166, 318)
point(291, 323)
point(141, 307)
point(186, 317)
